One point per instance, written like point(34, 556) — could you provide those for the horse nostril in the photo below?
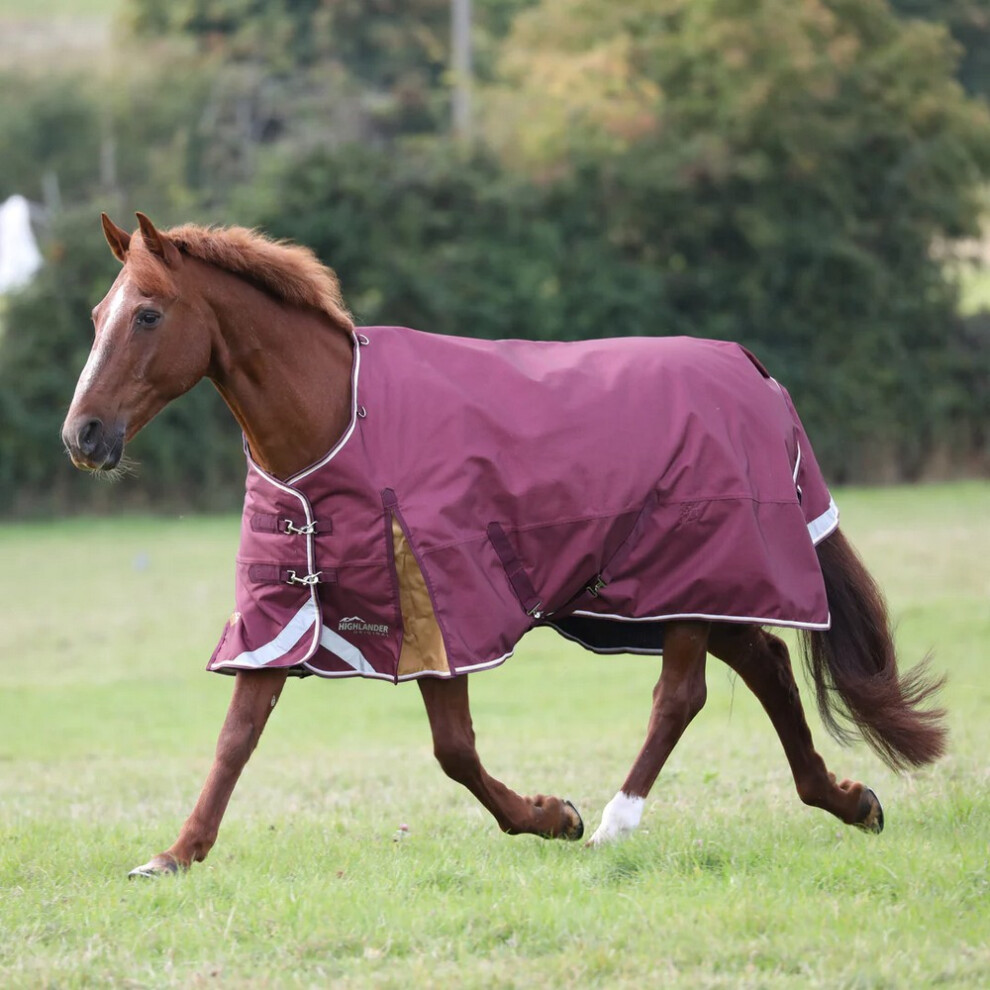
point(89, 436)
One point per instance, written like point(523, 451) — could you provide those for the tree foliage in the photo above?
point(787, 172)
point(770, 171)
point(969, 23)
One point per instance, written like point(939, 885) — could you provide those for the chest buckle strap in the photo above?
point(288, 526)
point(306, 579)
point(282, 574)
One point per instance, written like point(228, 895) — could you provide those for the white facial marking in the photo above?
point(619, 819)
point(101, 350)
point(96, 360)
point(115, 303)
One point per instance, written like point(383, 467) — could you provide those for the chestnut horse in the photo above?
point(265, 323)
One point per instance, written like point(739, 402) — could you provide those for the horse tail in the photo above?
point(854, 669)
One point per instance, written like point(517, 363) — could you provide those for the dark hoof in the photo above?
point(158, 866)
point(871, 813)
point(575, 830)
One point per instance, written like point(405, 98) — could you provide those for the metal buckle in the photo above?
point(535, 612)
point(307, 579)
point(595, 586)
point(291, 528)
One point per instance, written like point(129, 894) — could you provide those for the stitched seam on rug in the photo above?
point(529, 527)
point(636, 507)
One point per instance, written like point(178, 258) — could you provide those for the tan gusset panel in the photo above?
point(422, 644)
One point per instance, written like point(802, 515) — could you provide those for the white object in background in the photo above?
point(19, 254)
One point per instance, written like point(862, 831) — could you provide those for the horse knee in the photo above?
point(457, 758)
point(683, 703)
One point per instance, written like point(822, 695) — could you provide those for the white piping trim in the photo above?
point(614, 651)
point(338, 446)
point(275, 649)
point(307, 508)
point(310, 550)
point(441, 675)
point(482, 666)
point(371, 675)
point(748, 619)
point(797, 465)
point(825, 524)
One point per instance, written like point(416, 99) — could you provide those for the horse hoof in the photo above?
point(871, 813)
point(157, 866)
point(575, 830)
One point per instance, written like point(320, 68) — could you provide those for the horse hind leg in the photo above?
point(763, 663)
point(678, 696)
point(449, 712)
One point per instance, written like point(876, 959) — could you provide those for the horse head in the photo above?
point(153, 342)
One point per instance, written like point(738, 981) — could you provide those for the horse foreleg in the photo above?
point(449, 712)
point(255, 695)
point(762, 661)
point(678, 696)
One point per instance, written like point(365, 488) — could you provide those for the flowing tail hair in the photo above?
point(857, 685)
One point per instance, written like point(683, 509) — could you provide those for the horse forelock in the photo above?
point(147, 271)
point(289, 272)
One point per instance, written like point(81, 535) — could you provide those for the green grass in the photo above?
point(107, 723)
point(75, 35)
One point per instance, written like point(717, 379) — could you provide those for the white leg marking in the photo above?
point(619, 819)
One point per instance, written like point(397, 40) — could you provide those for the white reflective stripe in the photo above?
point(819, 528)
point(347, 652)
point(281, 644)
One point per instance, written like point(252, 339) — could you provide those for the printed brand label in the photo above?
point(355, 624)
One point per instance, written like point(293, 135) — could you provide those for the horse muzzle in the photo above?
point(91, 444)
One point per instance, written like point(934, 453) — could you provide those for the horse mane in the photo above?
point(287, 271)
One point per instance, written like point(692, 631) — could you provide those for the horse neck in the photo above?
point(284, 372)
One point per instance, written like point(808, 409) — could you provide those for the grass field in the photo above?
point(107, 723)
point(43, 34)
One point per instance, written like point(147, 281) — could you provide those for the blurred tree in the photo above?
point(48, 124)
point(430, 239)
point(309, 72)
point(969, 23)
point(766, 171)
point(785, 169)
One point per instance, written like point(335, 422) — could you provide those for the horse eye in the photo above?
point(148, 318)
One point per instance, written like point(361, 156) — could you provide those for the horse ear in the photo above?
point(156, 242)
point(118, 238)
